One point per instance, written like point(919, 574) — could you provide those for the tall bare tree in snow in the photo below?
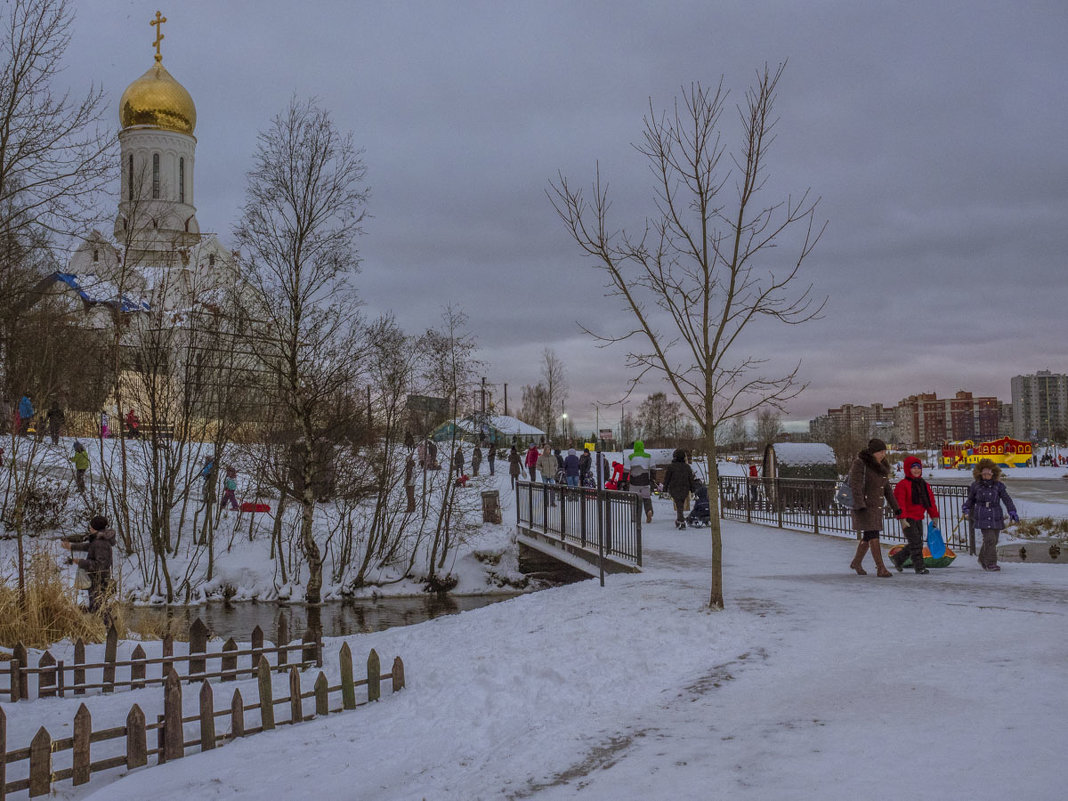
point(700, 271)
point(304, 205)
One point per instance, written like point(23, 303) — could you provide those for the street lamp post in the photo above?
point(563, 425)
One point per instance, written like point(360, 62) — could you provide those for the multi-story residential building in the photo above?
point(925, 420)
point(1005, 426)
point(1040, 405)
point(860, 422)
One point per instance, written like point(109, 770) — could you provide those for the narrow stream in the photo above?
point(337, 618)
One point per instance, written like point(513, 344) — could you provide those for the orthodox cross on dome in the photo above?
point(157, 22)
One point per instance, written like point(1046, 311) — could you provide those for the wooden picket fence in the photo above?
point(56, 678)
point(170, 726)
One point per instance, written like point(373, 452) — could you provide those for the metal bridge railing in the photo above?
point(573, 514)
point(808, 505)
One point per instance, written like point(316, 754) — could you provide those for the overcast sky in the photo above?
point(936, 134)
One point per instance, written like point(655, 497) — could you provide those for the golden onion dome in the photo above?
point(157, 99)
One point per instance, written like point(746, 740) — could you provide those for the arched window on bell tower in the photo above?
point(181, 180)
point(155, 176)
point(130, 180)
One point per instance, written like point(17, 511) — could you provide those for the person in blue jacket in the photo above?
point(26, 412)
point(986, 495)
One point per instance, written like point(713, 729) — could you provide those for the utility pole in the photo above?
point(505, 400)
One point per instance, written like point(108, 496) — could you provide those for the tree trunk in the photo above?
point(715, 598)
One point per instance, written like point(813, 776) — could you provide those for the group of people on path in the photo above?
point(911, 500)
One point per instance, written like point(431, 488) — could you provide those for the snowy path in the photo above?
point(814, 683)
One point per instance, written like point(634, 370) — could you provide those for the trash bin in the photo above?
point(491, 506)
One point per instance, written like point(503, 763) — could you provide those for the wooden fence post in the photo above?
point(398, 674)
point(374, 676)
point(83, 730)
point(198, 644)
point(41, 763)
point(137, 668)
point(79, 671)
point(168, 653)
point(309, 653)
point(228, 667)
point(257, 649)
point(173, 738)
point(282, 639)
point(19, 653)
point(46, 677)
point(237, 716)
point(266, 696)
point(161, 739)
point(16, 678)
point(111, 647)
point(3, 750)
point(348, 689)
point(296, 706)
point(322, 696)
point(207, 717)
point(136, 738)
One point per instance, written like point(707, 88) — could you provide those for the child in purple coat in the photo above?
point(983, 506)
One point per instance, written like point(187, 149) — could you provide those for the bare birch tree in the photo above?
point(768, 427)
point(54, 154)
point(304, 205)
point(554, 379)
point(699, 273)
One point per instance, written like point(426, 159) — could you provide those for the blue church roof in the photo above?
point(95, 291)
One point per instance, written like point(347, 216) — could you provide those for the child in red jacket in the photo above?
point(916, 499)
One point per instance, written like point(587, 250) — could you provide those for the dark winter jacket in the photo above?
point(870, 482)
point(513, 462)
point(571, 464)
point(903, 495)
point(983, 504)
point(678, 478)
point(585, 462)
point(98, 552)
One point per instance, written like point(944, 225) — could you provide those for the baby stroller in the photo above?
point(700, 514)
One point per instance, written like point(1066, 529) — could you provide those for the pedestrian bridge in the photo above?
point(581, 527)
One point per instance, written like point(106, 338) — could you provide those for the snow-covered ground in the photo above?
point(813, 683)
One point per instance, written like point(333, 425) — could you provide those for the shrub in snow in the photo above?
point(44, 506)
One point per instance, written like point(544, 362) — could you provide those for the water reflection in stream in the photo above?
point(337, 618)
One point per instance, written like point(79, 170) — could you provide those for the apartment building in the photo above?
point(925, 420)
point(1040, 405)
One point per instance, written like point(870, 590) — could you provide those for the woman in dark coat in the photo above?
point(869, 480)
point(983, 506)
point(513, 465)
point(678, 479)
point(97, 561)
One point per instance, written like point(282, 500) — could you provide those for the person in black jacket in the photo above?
point(678, 480)
point(585, 464)
point(97, 562)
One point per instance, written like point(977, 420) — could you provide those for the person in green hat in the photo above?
point(640, 466)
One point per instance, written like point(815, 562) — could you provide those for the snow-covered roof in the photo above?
point(803, 453)
point(505, 424)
